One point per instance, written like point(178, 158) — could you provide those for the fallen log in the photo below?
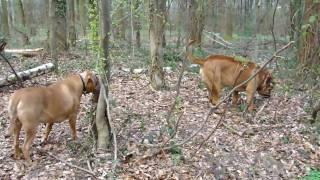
point(25, 52)
point(28, 74)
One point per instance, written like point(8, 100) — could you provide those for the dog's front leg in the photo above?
point(46, 133)
point(72, 123)
point(250, 90)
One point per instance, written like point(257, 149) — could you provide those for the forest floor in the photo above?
point(276, 142)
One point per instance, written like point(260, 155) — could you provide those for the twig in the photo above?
point(74, 166)
point(14, 72)
point(272, 30)
point(218, 42)
point(174, 131)
point(165, 142)
point(272, 26)
point(217, 36)
point(265, 128)
point(89, 165)
point(214, 129)
point(260, 110)
point(234, 131)
point(184, 64)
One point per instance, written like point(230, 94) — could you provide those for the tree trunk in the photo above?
point(156, 29)
point(61, 25)
point(196, 25)
point(4, 18)
point(120, 22)
point(308, 49)
point(83, 16)
point(229, 20)
point(137, 22)
point(71, 35)
point(20, 22)
point(29, 5)
point(102, 121)
point(53, 29)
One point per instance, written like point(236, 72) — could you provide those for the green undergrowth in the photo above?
point(313, 174)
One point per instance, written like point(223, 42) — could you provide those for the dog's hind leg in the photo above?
point(16, 128)
point(46, 133)
point(72, 123)
point(216, 87)
point(215, 94)
point(30, 134)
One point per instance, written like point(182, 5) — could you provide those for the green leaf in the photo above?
point(312, 19)
point(316, 1)
point(305, 27)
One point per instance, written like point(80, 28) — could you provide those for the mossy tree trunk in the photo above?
point(309, 40)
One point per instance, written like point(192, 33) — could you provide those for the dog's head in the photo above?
point(266, 84)
point(91, 82)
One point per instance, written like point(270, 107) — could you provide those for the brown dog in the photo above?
point(29, 107)
point(218, 71)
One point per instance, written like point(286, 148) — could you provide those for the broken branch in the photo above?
point(74, 166)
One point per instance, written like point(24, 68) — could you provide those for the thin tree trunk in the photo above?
point(20, 22)
point(61, 25)
point(102, 121)
point(229, 12)
point(83, 16)
point(196, 24)
point(156, 29)
point(29, 5)
point(4, 18)
point(71, 35)
point(308, 51)
point(137, 23)
point(53, 28)
point(120, 22)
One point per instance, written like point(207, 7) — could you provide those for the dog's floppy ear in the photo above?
point(91, 83)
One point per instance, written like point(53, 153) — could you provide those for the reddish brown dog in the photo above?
point(218, 71)
point(29, 107)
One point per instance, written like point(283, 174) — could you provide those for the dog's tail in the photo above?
point(190, 57)
point(12, 111)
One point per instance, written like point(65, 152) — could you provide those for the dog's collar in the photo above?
point(83, 84)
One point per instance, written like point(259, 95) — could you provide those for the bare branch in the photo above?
point(14, 72)
point(74, 166)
